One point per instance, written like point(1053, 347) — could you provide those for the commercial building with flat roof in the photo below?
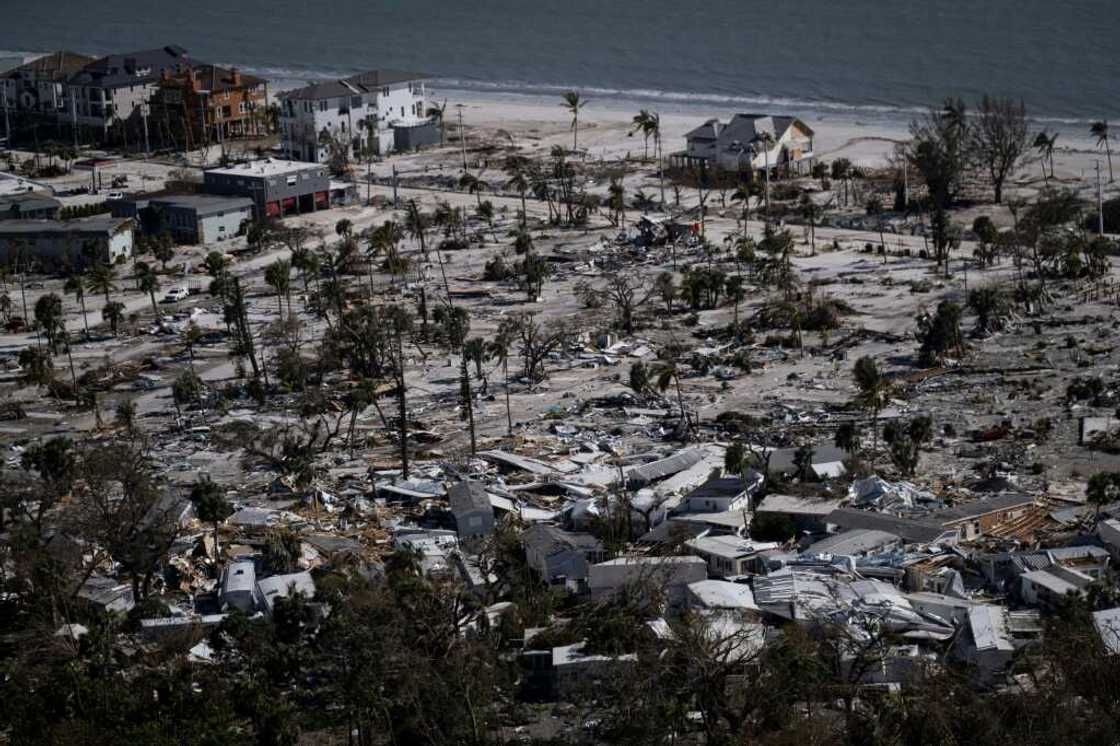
point(277, 187)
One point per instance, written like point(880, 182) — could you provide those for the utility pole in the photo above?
point(7, 124)
point(74, 116)
point(462, 136)
point(144, 116)
point(905, 185)
point(395, 180)
point(1100, 201)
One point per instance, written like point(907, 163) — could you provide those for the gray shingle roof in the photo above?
point(131, 68)
point(909, 530)
point(468, 496)
point(367, 82)
point(981, 507)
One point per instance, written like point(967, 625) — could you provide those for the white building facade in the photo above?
point(356, 112)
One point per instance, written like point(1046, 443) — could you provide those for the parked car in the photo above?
point(114, 196)
point(175, 294)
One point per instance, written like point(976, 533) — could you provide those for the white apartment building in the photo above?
point(368, 108)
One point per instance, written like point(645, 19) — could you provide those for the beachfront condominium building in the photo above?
point(749, 142)
point(382, 110)
point(114, 91)
point(39, 86)
point(204, 104)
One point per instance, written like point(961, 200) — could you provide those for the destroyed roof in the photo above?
point(988, 625)
point(795, 505)
point(857, 541)
point(782, 460)
point(282, 586)
point(729, 546)
point(984, 506)
point(719, 487)
point(721, 594)
point(468, 496)
point(543, 537)
point(1107, 623)
point(918, 532)
point(512, 460)
point(639, 476)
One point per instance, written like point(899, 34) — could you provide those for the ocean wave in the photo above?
point(678, 97)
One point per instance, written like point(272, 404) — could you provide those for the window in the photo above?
point(355, 102)
point(385, 91)
point(402, 111)
point(242, 108)
point(323, 105)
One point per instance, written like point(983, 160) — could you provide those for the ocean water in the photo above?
point(864, 58)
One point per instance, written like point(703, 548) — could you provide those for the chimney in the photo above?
point(234, 77)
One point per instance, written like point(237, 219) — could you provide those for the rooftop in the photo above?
point(977, 508)
point(100, 224)
point(468, 496)
point(367, 82)
point(857, 541)
point(267, 167)
point(203, 204)
point(131, 68)
point(54, 66)
point(721, 594)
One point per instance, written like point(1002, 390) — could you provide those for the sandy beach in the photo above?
point(606, 123)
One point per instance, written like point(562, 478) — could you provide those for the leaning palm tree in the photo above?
point(76, 284)
point(473, 185)
point(641, 122)
point(435, 113)
point(1099, 130)
point(574, 103)
point(102, 279)
point(147, 281)
point(499, 348)
point(1044, 144)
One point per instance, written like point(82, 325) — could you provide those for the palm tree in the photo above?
point(1044, 144)
point(435, 113)
point(515, 168)
point(641, 124)
point(192, 335)
point(417, 224)
point(113, 312)
point(743, 193)
point(617, 200)
point(76, 284)
point(1099, 130)
point(278, 277)
point(211, 506)
point(766, 140)
point(499, 348)
point(873, 390)
point(810, 212)
point(48, 315)
point(473, 185)
point(147, 281)
point(102, 279)
point(574, 103)
point(669, 374)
